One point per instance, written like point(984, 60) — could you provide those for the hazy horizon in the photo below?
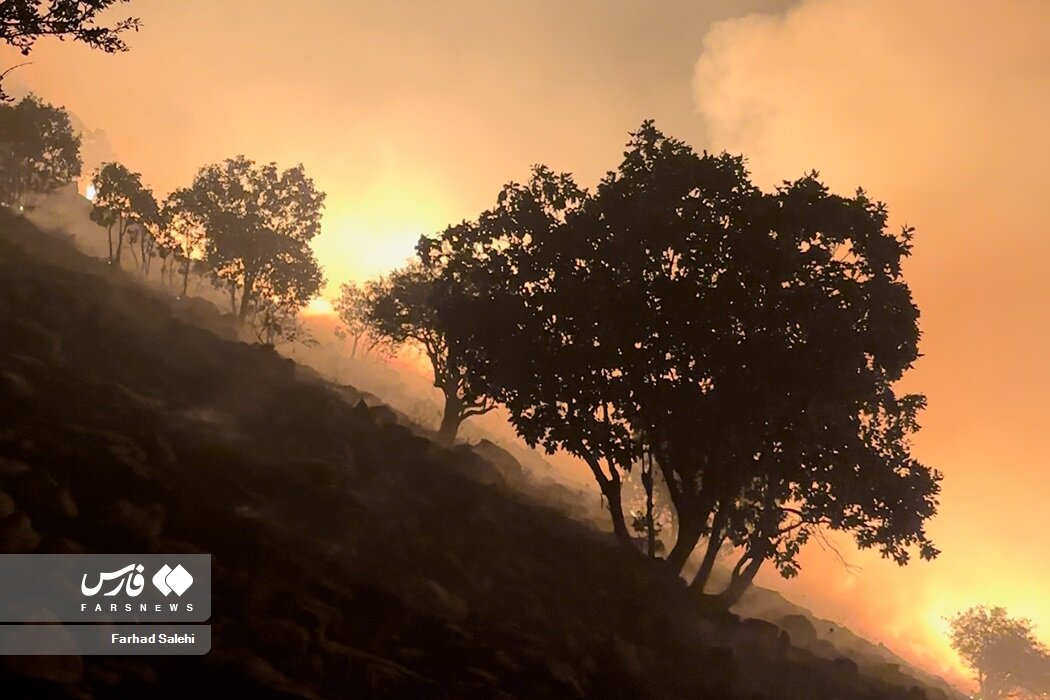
point(410, 121)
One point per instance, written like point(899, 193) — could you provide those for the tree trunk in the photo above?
point(612, 492)
point(134, 256)
point(109, 237)
point(121, 230)
point(147, 253)
point(450, 419)
point(714, 544)
point(246, 298)
point(685, 543)
point(650, 526)
point(739, 583)
point(120, 240)
point(610, 487)
point(185, 277)
point(271, 329)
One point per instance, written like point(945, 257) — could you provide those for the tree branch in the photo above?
point(478, 410)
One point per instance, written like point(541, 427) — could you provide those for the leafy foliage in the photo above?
point(403, 308)
point(753, 338)
point(182, 231)
point(1003, 651)
point(354, 307)
point(38, 149)
point(259, 224)
point(278, 322)
point(122, 201)
point(508, 289)
point(22, 22)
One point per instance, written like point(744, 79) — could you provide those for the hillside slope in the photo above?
point(829, 639)
point(352, 556)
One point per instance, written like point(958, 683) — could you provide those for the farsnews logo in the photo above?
point(169, 580)
point(110, 588)
point(130, 579)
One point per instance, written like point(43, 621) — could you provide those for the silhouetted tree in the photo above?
point(278, 322)
point(280, 297)
point(403, 309)
point(507, 291)
point(38, 150)
point(753, 339)
point(123, 202)
point(144, 231)
point(1003, 652)
point(354, 307)
point(182, 232)
point(259, 224)
point(22, 22)
point(764, 333)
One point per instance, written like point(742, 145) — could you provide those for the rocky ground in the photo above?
point(352, 557)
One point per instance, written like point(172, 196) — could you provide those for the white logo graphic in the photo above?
point(130, 579)
point(169, 580)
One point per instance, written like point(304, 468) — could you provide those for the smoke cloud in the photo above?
point(939, 109)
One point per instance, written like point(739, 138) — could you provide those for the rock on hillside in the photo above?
point(352, 557)
point(831, 640)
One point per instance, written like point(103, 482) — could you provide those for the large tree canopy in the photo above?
point(750, 339)
point(259, 223)
point(38, 149)
point(22, 22)
point(1002, 651)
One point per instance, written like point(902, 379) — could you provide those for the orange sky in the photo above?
point(941, 109)
point(409, 115)
point(411, 119)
